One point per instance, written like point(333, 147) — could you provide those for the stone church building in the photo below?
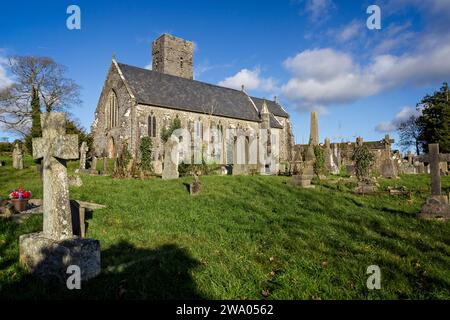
point(137, 102)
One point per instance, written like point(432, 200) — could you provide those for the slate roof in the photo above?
point(159, 89)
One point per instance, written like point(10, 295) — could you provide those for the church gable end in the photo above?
point(112, 124)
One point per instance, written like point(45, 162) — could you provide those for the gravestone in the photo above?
point(408, 166)
point(303, 171)
point(75, 181)
point(157, 167)
point(171, 155)
point(304, 177)
point(387, 167)
point(195, 187)
point(104, 163)
point(329, 158)
point(49, 253)
point(17, 157)
point(223, 170)
point(443, 166)
point(410, 157)
point(437, 205)
point(83, 150)
point(297, 160)
point(240, 169)
point(93, 169)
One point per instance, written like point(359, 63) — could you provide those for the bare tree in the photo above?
point(45, 76)
point(409, 133)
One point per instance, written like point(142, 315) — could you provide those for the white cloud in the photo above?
point(148, 66)
point(251, 79)
point(436, 13)
point(319, 64)
point(395, 37)
point(319, 10)
point(323, 77)
point(404, 114)
point(205, 66)
point(5, 81)
point(195, 45)
point(350, 31)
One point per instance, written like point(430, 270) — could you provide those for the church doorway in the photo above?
point(111, 148)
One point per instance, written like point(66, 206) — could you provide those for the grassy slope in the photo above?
point(241, 236)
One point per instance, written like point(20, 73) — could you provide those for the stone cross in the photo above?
point(434, 158)
point(387, 141)
point(83, 150)
point(55, 147)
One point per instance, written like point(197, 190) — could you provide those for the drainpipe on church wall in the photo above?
point(133, 120)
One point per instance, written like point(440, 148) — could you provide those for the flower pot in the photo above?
point(20, 204)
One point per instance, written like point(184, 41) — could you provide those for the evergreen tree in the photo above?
point(36, 130)
point(73, 127)
point(166, 133)
point(434, 123)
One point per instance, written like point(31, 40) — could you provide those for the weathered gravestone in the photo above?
point(304, 171)
point(157, 167)
point(104, 163)
point(93, 169)
point(409, 167)
point(329, 158)
point(48, 254)
point(17, 157)
point(75, 181)
point(387, 167)
point(83, 150)
point(195, 187)
point(171, 155)
point(437, 205)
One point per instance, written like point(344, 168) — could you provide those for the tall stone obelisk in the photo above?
point(314, 130)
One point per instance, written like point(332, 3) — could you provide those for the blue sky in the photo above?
point(312, 54)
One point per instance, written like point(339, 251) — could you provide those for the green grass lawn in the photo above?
point(240, 237)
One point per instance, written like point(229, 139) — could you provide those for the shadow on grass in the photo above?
point(128, 272)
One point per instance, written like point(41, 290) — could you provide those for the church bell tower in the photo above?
point(174, 56)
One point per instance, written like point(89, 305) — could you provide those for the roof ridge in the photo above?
point(170, 75)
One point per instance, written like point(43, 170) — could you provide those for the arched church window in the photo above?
point(152, 126)
point(112, 113)
point(199, 129)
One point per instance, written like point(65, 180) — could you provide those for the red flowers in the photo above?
point(20, 194)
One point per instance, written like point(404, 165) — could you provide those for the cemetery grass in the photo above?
point(242, 238)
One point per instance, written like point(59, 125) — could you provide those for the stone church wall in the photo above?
point(133, 124)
